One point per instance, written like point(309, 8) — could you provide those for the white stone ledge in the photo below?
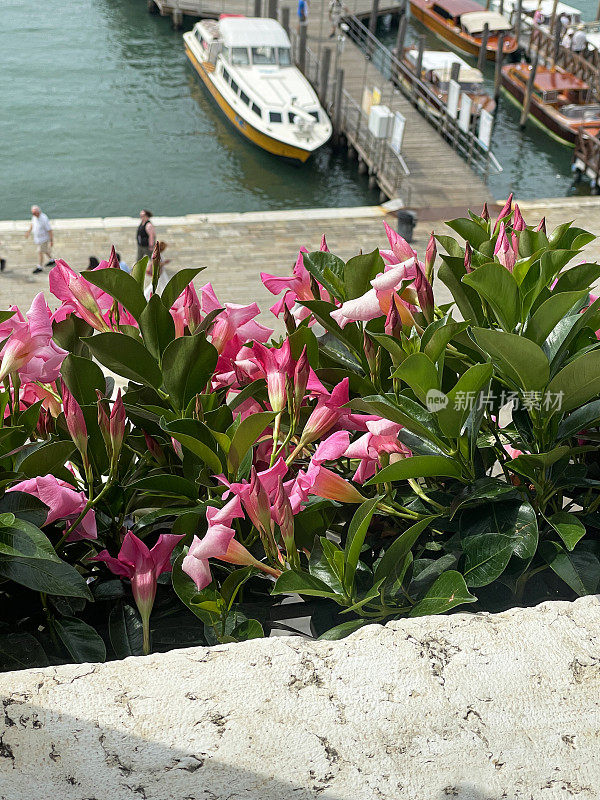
point(477, 707)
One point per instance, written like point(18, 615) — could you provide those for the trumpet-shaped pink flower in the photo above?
point(30, 349)
point(381, 438)
point(275, 364)
point(504, 250)
point(400, 251)
point(64, 503)
point(378, 300)
point(327, 413)
point(78, 295)
point(143, 567)
point(234, 323)
point(297, 287)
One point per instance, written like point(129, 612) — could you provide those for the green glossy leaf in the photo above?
point(577, 382)
point(419, 372)
point(166, 484)
point(248, 629)
point(473, 232)
point(291, 582)
point(418, 467)
point(177, 284)
point(448, 591)
point(582, 418)
point(360, 271)
point(513, 520)
point(197, 438)
point(439, 340)
point(569, 528)
point(126, 356)
point(580, 569)
point(157, 326)
point(486, 557)
point(468, 301)
point(462, 398)
point(203, 604)
point(497, 286)
point(399, 549)
point(188, 364)
point(80, 639)
point(357, 532)
point(403, 410)
point(83, 376)
point(25, 506)
point(46, 460)
point(246, 436)
point(121, 286)
point(520, 360)
point(44, 575)
point(328, 270)
point(481, 491)
point(582, 276)
point(125, 630)
point(343, 630)
point(21, 651)
point(549, 314)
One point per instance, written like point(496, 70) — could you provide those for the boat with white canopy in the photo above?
point(246, 65)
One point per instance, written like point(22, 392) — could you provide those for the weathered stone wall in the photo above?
point(480, 707)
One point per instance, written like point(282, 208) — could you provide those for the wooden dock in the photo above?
point(430, 172)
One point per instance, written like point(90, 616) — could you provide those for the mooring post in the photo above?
point(553, 16)
point(401, 37)
point(557, 38)
point(285, 19)
point(373, 17)
point(177, 18)
point(258, 8)
point(454, 71)
point(498, 71)
point(419, 62)
point(337, 118)
point(324, 74)
point(272, 6)
point(501, 7)
point(518, 15)
point(598, 13)
point(528, 92)
point(483, 47)
point(301, 56)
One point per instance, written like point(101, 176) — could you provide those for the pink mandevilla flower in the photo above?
point(63, 501)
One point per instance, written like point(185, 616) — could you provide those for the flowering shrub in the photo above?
point(382, 459)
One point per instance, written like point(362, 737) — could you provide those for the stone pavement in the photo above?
point(235, 248)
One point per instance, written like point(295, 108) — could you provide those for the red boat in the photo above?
point(560, 102)
point(461, 24)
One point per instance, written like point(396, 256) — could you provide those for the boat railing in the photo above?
point(467, 143)
point(587, 68)
point(586, 157)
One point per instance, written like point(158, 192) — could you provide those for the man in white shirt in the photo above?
point(579, 40)
point(43, 236)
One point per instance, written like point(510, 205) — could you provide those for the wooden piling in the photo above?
point(553, 16)
point(374, 16)
point(401, 36)
point(272, 9)
point(258, 8)
point(501, 7)
point(598, 13)
point(324, 74)
point(557, 38)
point(518, 20)
point(528, 92)
point(483, 48)
point(152, 7)
point(498, 70)
point(301, 56)
point(454, 71)
point(419, 62)
point(337, 118)
point(285, 19)
point(177, 18)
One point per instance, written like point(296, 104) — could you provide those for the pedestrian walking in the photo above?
point(579, 40)
point(302, 13)
point(336, 11)
point(43, 237)
point(92, 262)
point(146, 235)
point(2, 262)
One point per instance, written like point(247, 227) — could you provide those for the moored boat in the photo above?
point(436, 69)
point(461, 24)
point(246, 65)
point(560, 102)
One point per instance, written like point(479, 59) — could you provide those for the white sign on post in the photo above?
point(484, 135)
point(464, 118)
point(398, 132)
point(453, 97)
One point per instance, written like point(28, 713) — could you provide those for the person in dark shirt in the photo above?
point(146, 235)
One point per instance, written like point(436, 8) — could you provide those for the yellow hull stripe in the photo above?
point(259, 138)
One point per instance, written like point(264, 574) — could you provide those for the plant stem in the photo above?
point(89, 505)
point(276, 427)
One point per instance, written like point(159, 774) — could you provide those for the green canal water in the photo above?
point(534, 164)
point(101, 114)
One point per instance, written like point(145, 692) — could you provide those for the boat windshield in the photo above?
point(264, 55)
point(585, 112)
point(283, 54)
point(466, 86)
point(239, 56)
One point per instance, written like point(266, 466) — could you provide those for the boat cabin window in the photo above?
point(314, 114)
point(244, 98)
point(226, 52)
point(275, 116)
point(263, 55)
point(585, 112)
point(202, 40)
point(550, 97)
point(283, 54)
point(256, 110)
point(239, 56)
point(442, 12)
point(226, 75)
point(235, 87)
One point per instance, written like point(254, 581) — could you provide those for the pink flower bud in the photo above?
point(505, 211)
point(113, 261)
point(518, 223)
point(117, 428)
point(75, 421)
point(506, 255)
point(104, 424)
point(155, 449)
point(485, 214)
point(430, 256)
point(468, 257)
point(424, 293)
point(542, 226)
point(301, 375)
